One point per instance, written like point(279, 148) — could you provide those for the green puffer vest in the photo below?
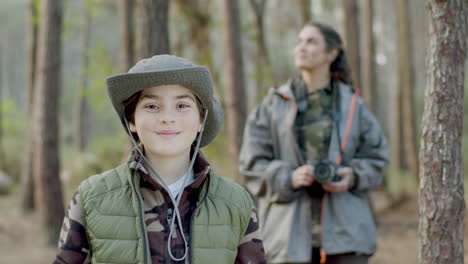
point(114, 219)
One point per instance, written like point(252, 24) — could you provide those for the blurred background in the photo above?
point(248, 46)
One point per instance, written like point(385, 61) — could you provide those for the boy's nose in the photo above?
point(167, 116)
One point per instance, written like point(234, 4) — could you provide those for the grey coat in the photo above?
point(270, 154)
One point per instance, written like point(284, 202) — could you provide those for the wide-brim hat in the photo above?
point(166, 70)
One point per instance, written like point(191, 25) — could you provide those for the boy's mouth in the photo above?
point(168, 133)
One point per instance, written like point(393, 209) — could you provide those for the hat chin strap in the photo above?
point(175, 200)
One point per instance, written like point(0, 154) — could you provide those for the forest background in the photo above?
point(389, 67)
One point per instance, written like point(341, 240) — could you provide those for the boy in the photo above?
point(165, 205)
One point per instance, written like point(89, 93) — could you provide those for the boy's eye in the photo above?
point(182, 105)
point(151, 107)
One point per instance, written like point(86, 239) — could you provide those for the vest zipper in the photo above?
point(190, 236)
point(140, 210)
point(191, 220)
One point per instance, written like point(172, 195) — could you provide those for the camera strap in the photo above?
point(349, 122)
point(341, 142)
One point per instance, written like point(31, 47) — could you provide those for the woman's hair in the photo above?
point(339, 68)
point(131, 103)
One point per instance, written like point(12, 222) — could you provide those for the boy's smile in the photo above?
point(168, 134)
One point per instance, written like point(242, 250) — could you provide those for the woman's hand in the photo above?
point(346, 182)
point(303, 176)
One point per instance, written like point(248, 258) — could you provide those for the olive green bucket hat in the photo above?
point(166, 70)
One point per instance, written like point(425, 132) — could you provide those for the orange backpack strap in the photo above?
point(349, 124)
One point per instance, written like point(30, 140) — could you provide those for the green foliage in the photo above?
point(217, 154)
point(13, 138)
point(36, 8)
point(103, 154)
point(100, 67)
point(6, 190)
point(249, 29)
point(13, 118)
point(93, 7)
point(400, 182)
point(110, 150)
point(72, 23)
point(12, 157)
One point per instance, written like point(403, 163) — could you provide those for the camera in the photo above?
point(325, 172)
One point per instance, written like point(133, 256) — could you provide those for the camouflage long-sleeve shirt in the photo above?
point(73, 243)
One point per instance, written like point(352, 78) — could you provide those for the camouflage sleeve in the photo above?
point(73, 244)
point(251, 249)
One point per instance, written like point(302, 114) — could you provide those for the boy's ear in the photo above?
point(200, 128)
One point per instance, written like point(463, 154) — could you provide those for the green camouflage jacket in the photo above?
point(74, 246)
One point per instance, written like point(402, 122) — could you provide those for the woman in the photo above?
point(165, 205)
point(311, 154)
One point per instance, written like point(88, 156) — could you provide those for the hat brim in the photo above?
point(197, 79)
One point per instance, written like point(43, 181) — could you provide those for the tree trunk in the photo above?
point(48, 195)
point(27, 183)
point(262, 64)
point(199, 19)
point(125, 9)
point(441, 193)
point(152, 30)
point(352, 40)
point(305, 11)
point(405, 84)
point(368, 54)
point(234, 71)
point(1, 109)
point(83, 126)
point(127, 54)
point(397, 154)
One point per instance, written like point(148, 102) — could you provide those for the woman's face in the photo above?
point(167, 120)
point(311, 52)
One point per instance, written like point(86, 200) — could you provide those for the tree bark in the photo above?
point(1, 108)
point(405, 85)
point(305, 11)
point(368, 53)
point(199, 19)
point(234, 71)
point(397, 154)
point(48, 192)
point(352, 40)
point(27, 183)
point(441, 193)
point(262, 64)
point(83, 125)
point(125, 9)
point(152, 30)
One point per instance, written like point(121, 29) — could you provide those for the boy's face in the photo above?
point(166, 120)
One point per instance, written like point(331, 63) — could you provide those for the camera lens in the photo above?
point(324, 172)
